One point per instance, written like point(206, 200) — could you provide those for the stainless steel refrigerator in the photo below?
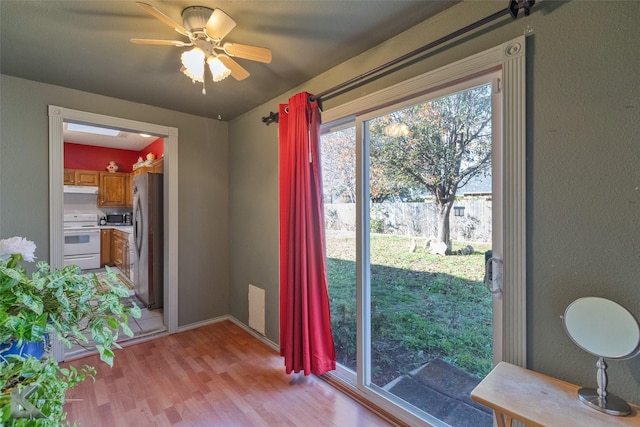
point(148, 239)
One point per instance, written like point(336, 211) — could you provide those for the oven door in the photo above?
point(81, 241)
point(85, 262)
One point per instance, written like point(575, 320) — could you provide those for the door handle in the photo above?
point(493, 282)
point(80, 232)
point(78, 257)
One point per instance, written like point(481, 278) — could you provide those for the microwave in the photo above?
point(118, 219)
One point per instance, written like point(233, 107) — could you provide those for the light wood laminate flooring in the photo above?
point(215, 375)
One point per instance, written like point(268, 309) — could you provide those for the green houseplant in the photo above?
point(33, 307)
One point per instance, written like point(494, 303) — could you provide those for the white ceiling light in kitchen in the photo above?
point(95, 130)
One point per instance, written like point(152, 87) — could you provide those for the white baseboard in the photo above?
point(235, 321)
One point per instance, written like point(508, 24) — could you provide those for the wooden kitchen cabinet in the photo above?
point(120, 250)
point(130, 190)
point(105, 247)
point(69, 177)
point(81, 177)
point(114, 249)
point(87, 177)
point(113, 190)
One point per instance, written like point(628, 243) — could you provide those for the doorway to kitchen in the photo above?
point(58, 117)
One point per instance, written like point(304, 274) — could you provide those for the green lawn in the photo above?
point(424, 306)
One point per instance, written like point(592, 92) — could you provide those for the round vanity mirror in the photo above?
point(607, 330)
point(602, 327)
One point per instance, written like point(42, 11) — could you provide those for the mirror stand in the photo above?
point(599, 398)
point(604, 329)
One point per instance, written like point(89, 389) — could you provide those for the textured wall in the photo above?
point(584, 179)
point(583, 190)
point(253, 218)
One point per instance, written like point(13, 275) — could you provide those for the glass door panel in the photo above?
point(429, 215)
point(338, 150)
point(409, 209)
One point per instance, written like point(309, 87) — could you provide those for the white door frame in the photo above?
point(57, 116)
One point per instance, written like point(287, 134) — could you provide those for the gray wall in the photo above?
point(203, 183)
point(253, 218)
point(583, 159)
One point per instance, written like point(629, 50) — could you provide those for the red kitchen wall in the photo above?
point(87, 157)
point(79, 156)
point(156, 147)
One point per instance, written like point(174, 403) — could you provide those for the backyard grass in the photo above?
point(423, 306)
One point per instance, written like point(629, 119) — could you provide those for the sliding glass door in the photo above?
point(429, 313)
point(425, 206)
point(412, 317)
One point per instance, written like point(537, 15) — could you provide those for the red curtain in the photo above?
point(305, 322)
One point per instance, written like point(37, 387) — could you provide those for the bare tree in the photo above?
point(339, 165)
point(434, 147)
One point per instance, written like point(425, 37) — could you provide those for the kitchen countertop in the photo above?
point(125, 228)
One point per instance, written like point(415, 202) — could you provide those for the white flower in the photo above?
point(17, 245)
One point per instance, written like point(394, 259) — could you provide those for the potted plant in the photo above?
point(63, 303)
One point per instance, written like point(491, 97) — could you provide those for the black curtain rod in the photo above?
point(512, 9)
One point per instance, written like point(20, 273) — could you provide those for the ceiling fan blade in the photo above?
point(164, 18)
point(160, 42)
point(244, 51)
point(219, 25)
point(237, 72)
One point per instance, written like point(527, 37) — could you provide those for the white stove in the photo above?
point(82, 240)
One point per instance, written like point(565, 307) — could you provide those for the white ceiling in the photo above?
point(85, 45)
point(123, 140)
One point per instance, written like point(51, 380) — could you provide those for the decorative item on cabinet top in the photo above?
point(112, 167)
point(155, 166)
point(150, 158)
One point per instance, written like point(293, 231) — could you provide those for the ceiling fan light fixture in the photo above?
point(193, 78)
point(194, 18)
point(218, 70)
point(205, 28)
point(193, 64)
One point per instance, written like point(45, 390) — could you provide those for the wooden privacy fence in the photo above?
point(470, 218)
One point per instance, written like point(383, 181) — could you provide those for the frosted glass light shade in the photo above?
point(218, 70)
point(193, 64)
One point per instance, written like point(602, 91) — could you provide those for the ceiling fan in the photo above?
point(205, 28)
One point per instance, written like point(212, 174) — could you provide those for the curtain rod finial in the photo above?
point(271, 118)
point(516, 5)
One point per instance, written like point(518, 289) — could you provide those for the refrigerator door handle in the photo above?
point(138, 224)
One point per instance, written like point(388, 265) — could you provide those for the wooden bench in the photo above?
point(539, 400)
